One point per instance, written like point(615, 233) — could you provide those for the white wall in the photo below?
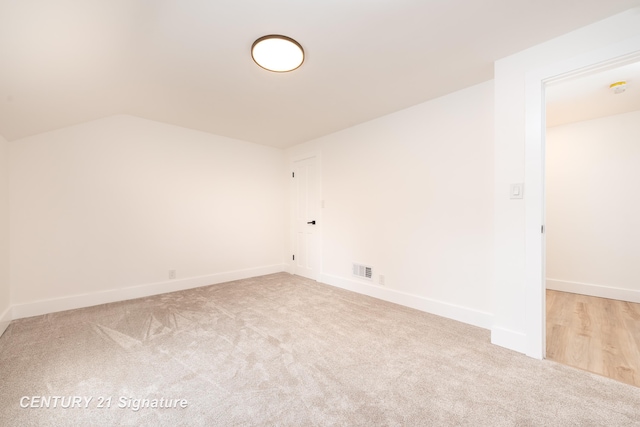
point(593, 212)
point(101, 211)
point(410, 194)
point(5, 315)
point(510, 327)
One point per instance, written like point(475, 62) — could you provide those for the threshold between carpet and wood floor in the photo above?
point(283, 350)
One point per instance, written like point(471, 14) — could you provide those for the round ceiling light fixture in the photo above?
point(277, 53)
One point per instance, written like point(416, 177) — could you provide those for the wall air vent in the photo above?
point(363, 271)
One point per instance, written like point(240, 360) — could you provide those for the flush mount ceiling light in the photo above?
point(618, 87)
point(277, 53)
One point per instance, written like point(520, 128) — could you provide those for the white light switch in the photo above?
point(517, 190)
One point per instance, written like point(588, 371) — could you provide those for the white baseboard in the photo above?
point(5, 319)
point(38, 308)
point(439, 308)
point(594, 290)
point(516, 341)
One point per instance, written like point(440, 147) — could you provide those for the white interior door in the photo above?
point(306, 218)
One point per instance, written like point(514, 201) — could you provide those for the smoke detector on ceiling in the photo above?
point(618, 87)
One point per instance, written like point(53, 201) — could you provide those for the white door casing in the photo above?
point(535, 311)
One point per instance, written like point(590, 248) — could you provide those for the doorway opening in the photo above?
point(607, 57)
point(592, 221)
point(305, 212)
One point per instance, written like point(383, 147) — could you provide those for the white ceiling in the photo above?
point(187, 62)
point(589, 97)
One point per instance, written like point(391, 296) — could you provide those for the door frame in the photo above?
point(535, 129)
point(292, 207)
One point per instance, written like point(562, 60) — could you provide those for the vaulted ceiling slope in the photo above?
point(187, 62)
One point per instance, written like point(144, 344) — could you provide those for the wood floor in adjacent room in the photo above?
point(595, 334)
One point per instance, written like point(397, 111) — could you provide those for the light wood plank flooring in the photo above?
point(595, 334)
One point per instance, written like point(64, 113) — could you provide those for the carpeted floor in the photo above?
point(285, 351)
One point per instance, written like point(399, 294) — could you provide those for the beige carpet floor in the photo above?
point(285, 351)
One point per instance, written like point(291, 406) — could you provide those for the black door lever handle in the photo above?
point(312, 222)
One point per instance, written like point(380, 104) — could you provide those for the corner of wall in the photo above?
point(513, 340)
point(5, 297)
point(5, 319)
